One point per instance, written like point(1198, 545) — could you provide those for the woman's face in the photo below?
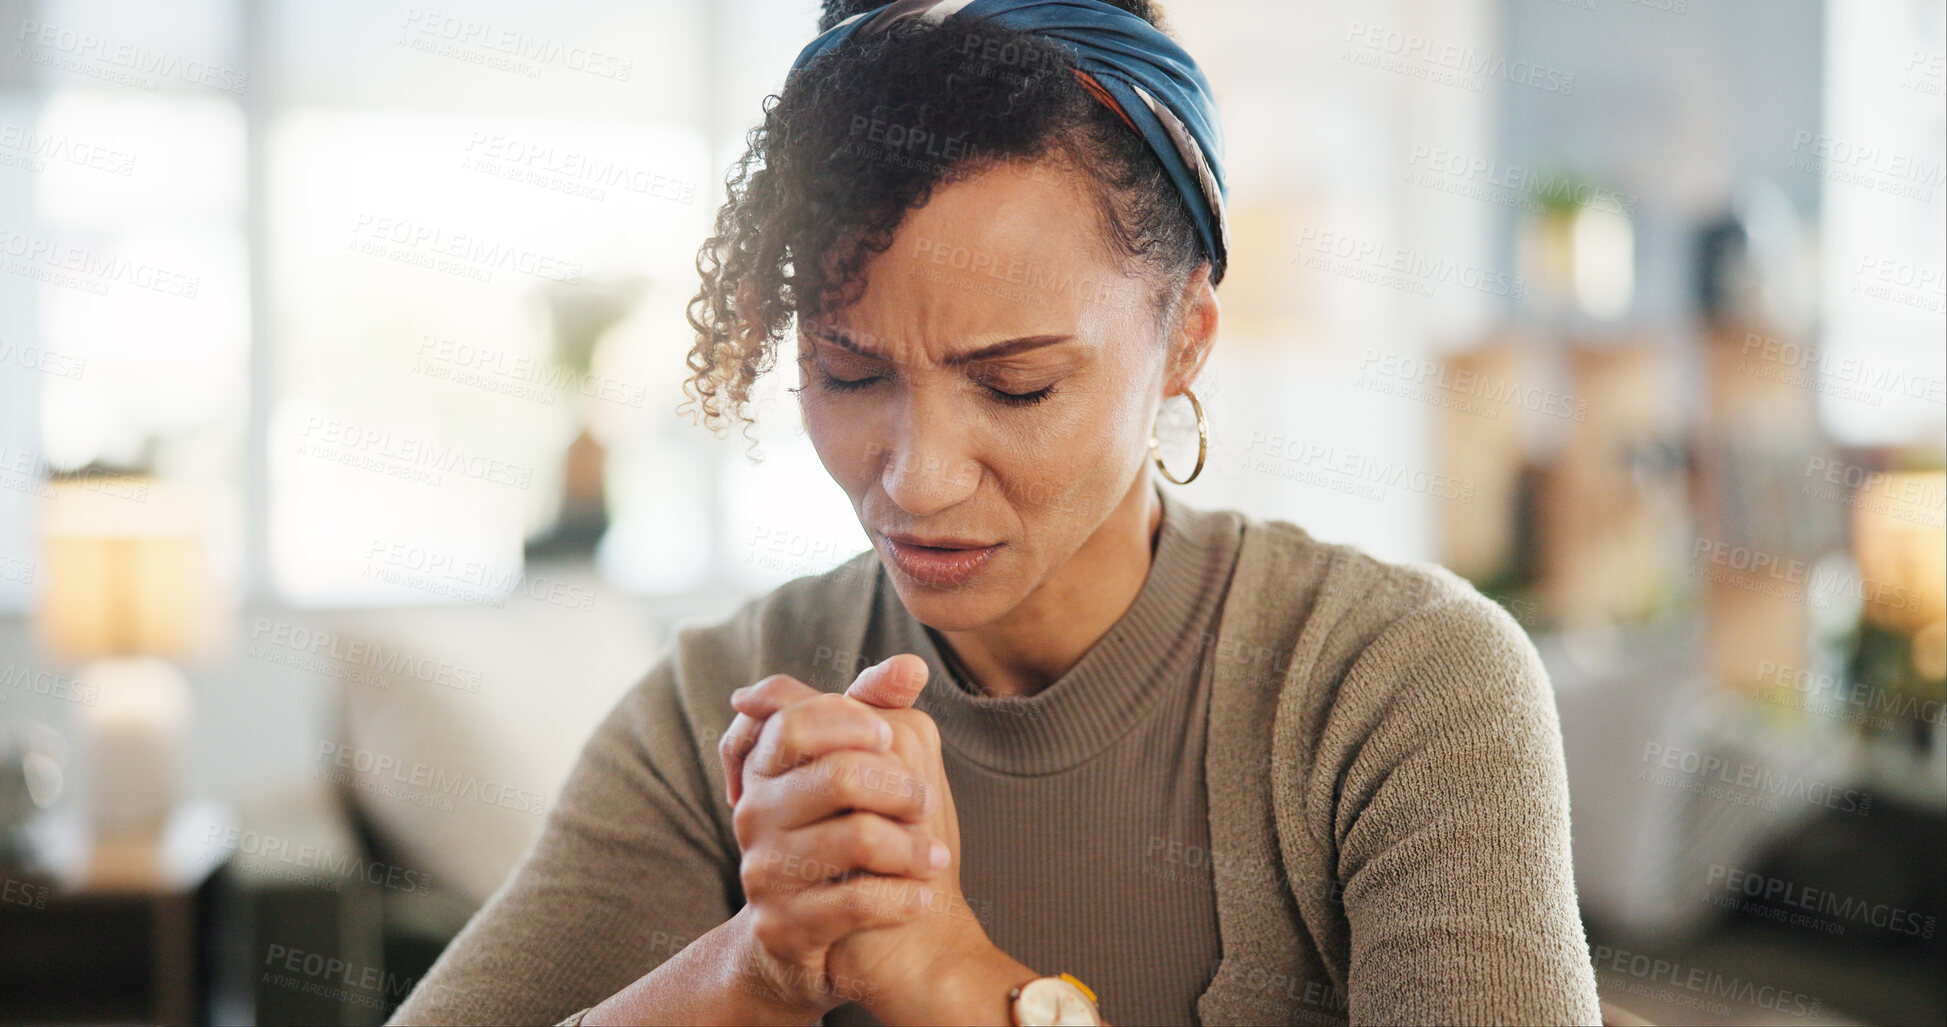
point(987, 401)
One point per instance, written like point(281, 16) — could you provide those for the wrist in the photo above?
point(967, 984)
point(717, 978)
point(751, 976)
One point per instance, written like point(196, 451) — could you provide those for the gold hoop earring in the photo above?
point(1203, 443)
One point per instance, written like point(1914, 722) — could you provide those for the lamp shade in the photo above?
point(127, 570)
point(1901, 549)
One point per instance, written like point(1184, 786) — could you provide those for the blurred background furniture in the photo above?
point(114, 934)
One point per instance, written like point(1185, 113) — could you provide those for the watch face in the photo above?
point(1051, 1000)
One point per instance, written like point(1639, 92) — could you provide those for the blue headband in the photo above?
point(1126, 62)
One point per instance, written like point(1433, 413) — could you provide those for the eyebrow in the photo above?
point(999, 349)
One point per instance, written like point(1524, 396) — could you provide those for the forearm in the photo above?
point(716, 979)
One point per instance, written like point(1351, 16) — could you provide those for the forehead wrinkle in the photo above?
point(925, 326)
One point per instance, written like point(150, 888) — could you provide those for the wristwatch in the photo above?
point(1047, 1001)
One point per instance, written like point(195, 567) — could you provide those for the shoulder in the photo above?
point(1346, 601)
point(1353, 643)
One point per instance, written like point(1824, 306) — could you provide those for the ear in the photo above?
point(1196, 332)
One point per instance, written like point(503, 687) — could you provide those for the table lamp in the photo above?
point(128, 592)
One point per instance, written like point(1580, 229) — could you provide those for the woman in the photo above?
point(1057, 720)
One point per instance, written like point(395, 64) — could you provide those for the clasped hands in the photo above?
point(851, 848)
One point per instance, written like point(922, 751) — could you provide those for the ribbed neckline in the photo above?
point(1155, 646)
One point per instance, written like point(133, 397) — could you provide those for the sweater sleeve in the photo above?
point(1451, 828)
point(628, 869)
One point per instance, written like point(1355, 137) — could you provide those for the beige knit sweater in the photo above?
point(1387, 808)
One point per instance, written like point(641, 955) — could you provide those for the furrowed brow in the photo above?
point(1005, 348)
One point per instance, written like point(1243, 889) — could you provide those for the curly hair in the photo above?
point(862, 135)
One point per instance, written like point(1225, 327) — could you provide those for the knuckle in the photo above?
point(862, 838)
point(915, 725)
point(747, 818)
point(771, 683)
point(927, 730)
point(793, 737)
point(730, 746)
point(754, 873)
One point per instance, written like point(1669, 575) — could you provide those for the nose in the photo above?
point(928, 467)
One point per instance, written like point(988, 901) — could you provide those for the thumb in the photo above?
point(892, 683)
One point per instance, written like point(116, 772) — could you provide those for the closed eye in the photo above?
point(836, 383)
point(1022, 398)
point(832, 381)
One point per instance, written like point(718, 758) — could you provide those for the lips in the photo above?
point(939, 561)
